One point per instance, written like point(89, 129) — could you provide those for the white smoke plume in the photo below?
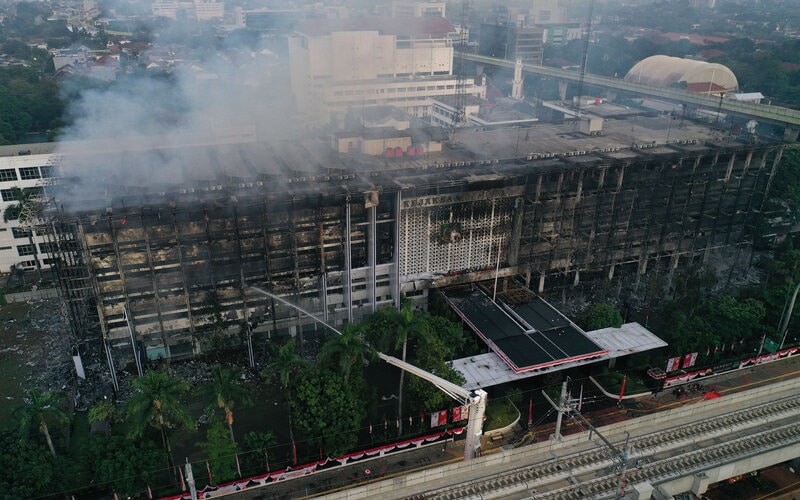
point(137, 131)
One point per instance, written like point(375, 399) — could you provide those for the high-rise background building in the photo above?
point(343, 66)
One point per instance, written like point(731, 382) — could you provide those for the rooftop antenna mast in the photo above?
point(584, 58)
point(461, 81)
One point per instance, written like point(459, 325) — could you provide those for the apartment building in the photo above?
point(24, 170)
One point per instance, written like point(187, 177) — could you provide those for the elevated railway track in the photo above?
point(683, 448)
point(774, 114)
point(655, 457)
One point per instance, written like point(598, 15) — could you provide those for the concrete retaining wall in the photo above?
point(42, 293)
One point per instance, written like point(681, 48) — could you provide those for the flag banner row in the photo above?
point(742, 363)
point(210, 491)
point(436, 419)
point(459, 414)
point(681, 362)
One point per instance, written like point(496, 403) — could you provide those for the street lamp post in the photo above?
point(787, 314)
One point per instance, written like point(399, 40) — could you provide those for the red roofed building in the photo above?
point(709, 88)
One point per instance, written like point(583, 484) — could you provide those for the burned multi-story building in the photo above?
point(343, 226)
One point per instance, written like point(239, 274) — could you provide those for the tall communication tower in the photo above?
point(461, 82)
point(584, 59)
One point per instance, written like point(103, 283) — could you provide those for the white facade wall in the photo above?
point(198, 10)
point(411, 95)
point(20, 172)
point(206, 11)
point(421, 8)
point(368, 55)
point(349, 70)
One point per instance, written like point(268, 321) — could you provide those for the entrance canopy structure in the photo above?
point(529, 337)
point(521, 327)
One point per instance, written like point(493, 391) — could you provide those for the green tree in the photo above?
point(602, 315)
point(23, 198)
point(327, 411)
point(118, 464)
point(345, 352)
point(431, 353)
point(27, 468)
point(157, 405)
point(395, 327)
point(735, 320)
point(220, 450)
point(285, 365)
point(424, 395)
point(40, 410)
point(102, 411)
point(258, 444)
point(225, 390)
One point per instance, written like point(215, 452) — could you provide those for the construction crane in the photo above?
point(474, 400)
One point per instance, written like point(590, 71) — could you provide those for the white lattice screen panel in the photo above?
point(438, 238)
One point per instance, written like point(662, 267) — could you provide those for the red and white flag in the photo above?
point(530, 413)
point(622, 389)
point(149, 493)
point(183, 483)
point(210, 477)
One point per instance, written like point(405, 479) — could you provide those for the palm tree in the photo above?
point(39, 408)
point(157, 404)
point(225, 390)
point(284, 366)
point(403, 323)
point(343, 352)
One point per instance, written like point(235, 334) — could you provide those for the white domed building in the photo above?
point(698, 76)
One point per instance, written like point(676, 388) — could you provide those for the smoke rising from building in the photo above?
point(136, 131)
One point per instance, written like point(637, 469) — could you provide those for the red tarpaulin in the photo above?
point(712, 395)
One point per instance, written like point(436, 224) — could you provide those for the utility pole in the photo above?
point(566, 405)
point(787, 314)
point(623, 480)
point(250, 357)
point(190, 480)
point(562, 407)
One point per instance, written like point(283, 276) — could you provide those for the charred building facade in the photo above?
point(167, 271)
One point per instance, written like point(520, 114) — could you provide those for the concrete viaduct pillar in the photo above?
point(562, 89)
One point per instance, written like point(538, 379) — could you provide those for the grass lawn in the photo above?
point(500, 413)
point(612, 382)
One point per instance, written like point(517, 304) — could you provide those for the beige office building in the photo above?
point(342, 66)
